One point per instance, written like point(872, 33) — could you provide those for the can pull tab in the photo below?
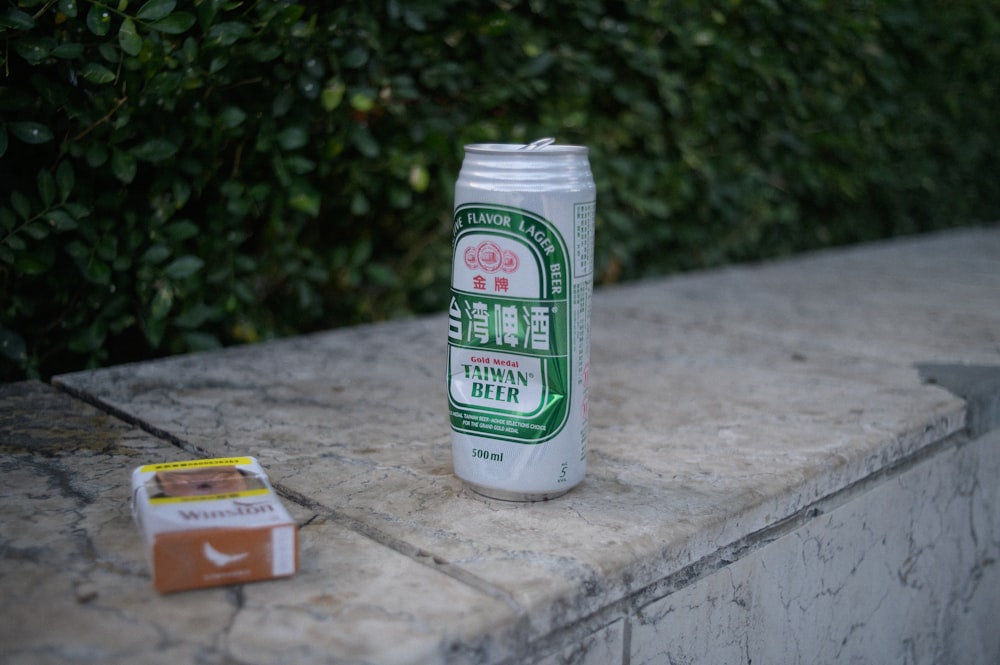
point(538, 145)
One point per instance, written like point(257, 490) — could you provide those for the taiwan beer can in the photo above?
point(519, 318)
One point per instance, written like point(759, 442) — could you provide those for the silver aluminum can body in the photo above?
point(519, 319)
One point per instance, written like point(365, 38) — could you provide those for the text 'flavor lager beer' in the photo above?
point(519, 318)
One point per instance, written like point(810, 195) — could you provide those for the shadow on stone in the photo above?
point(978, 385)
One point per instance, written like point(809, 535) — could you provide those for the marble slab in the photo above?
point(723, 403)
point(910, 300)
point(75, 586)
point(904, 573)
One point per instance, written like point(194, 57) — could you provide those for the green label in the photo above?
point(509, 319)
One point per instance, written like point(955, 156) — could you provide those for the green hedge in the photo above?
point(183, 176)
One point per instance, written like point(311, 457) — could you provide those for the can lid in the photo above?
point(539, 144)
point(544, 146)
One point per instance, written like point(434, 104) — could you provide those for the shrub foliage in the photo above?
point(183, 176)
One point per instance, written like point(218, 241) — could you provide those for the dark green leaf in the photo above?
point(365, 142)
point(16, 243)
point(190, 50)
point(123, 165)
point(97, 271)
point(355, 58)
point(21, 205)
point(244, 293)
point(381, 274)
point(305, 199)
point(266, 52)
point(154, 10)
point(12, 346)
point(37, 230)
point(232, 117)
point(154, 329)
point(300, 165)
point(282, 103)
point(122, 323)
point(183, 267)
point(280, 171)
point(293, 138)
point(180, 230)
point(99, 20)
point(400, 197)
point(155, 150)
point(97, 73)
point(414, 20)
point(229, 32)
point(201, 341)
point(15, 19)
point(181, 189)
point(156, 254)
point(67, 51)
point(128, 38)
point(360, 205)
point(163, 300)
point(195, 316)
point(68, 8)
point(96, 155)
point(109, 52)
point(218, 64)
point(30, 132)
point(332, 94)
point(362, 102)
point(537, 66)
point(61, 220)
point(291, 14)
point(34, 50)
point(90, 338)
point(420, 178)
point(175, 24)
point(77, 250)
point(309, 86)
point(78, 210)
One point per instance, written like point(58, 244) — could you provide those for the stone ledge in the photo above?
point(77, 586)
point(728, 408)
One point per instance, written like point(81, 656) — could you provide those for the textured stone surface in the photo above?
point(602, 647)
point(724, 404)
point(905, 573)
point(76, 586)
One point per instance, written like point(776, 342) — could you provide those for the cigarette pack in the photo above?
point(212, 522)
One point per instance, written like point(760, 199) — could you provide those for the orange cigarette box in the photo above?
point(212, 522)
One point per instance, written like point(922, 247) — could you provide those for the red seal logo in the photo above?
point(471, 262)
point(489, 255)
point(510, 262)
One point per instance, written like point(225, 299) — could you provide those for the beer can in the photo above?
point(519, 318)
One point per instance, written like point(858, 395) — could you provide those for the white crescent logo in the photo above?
point(221, 559)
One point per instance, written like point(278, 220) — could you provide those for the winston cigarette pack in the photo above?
point(212, 522)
